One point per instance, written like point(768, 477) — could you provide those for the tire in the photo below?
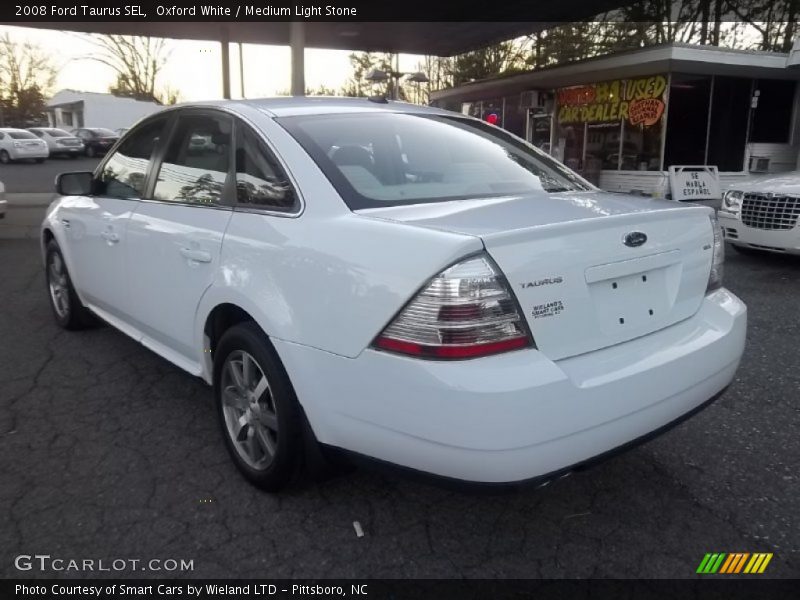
point(268, 448)
point(5, 158)
point(91, 152)
point(68, 310)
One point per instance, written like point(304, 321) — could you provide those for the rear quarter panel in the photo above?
point(329, 283)
point(326, 277)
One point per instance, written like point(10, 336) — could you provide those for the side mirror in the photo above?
point(75, 184)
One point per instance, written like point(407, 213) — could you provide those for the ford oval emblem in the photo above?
point(634, 239)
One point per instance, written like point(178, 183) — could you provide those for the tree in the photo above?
point(363, 63)
point(498, 59)
point(137, 62)
point(320, 90)
point(27, 75)
point(774, 20)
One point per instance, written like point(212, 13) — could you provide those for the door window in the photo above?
point(195, 166)
point(124, 174)
point(261, 182)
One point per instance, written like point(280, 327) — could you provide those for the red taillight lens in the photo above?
point(466, 311)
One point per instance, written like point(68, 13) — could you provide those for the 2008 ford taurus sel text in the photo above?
point(398, 282)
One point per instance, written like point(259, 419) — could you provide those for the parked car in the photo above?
point(18, 144)
point(59, 142)
point(96, 140)
point(763, 213)
point(3, 201)
point(436, 293)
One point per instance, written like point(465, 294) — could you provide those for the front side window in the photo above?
point(260, 180)
point(195, 166)
point(386, 159)
point(124, 173)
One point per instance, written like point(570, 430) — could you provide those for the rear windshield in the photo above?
point(103, 132)
point(56, 133)
point(388, 159)
point(22, 135)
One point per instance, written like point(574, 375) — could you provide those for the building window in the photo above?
point(611, 125)
point(689, 97)
point(773, 115)
point(491, 110)
point(66, 118)
point(727, 132)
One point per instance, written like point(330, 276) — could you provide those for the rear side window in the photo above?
point(22, 135)
point(195, 166)
point(261, 182)
point(124, 174)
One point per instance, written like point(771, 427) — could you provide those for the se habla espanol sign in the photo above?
point(638, 101)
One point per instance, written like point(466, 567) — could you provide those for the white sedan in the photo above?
point(397, 282)
point(763, 213)
point(19, 144)
point(59, 142)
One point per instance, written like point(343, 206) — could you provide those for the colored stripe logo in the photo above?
point(734, 562)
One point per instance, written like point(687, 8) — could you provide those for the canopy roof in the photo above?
point(674, 57)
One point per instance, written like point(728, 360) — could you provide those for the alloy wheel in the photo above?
point(59, 285)
point(251, 418)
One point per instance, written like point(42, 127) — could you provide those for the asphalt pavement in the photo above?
point(110, 452)
point(26, 177)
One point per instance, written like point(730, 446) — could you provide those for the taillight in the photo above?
point(466, 311)
point(717, 256)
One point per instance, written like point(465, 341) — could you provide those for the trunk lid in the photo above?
point(565, 257)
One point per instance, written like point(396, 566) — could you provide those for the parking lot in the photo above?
point(29, 177)
point(111, 452)
point(108, 452)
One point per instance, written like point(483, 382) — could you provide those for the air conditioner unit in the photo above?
point(758, 164)
point(536, 99)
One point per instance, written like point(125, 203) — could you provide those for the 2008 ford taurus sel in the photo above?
point(399, 282)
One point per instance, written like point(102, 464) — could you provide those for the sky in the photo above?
point(194, 67)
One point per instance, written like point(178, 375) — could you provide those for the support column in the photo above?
point(226, 63)
point(241, 68)
point(297, 40)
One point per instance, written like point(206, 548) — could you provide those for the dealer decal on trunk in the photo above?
point(549, 309)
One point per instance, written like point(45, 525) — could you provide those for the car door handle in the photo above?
point(110, 237)
point(196, 255)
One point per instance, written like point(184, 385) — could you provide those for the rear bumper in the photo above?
point(517, 416)
point(21, 153)
point(739, 234)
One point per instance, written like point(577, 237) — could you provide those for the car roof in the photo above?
point(318, 105)
point(12, 129)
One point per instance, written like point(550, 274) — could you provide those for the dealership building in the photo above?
point(622, 120)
